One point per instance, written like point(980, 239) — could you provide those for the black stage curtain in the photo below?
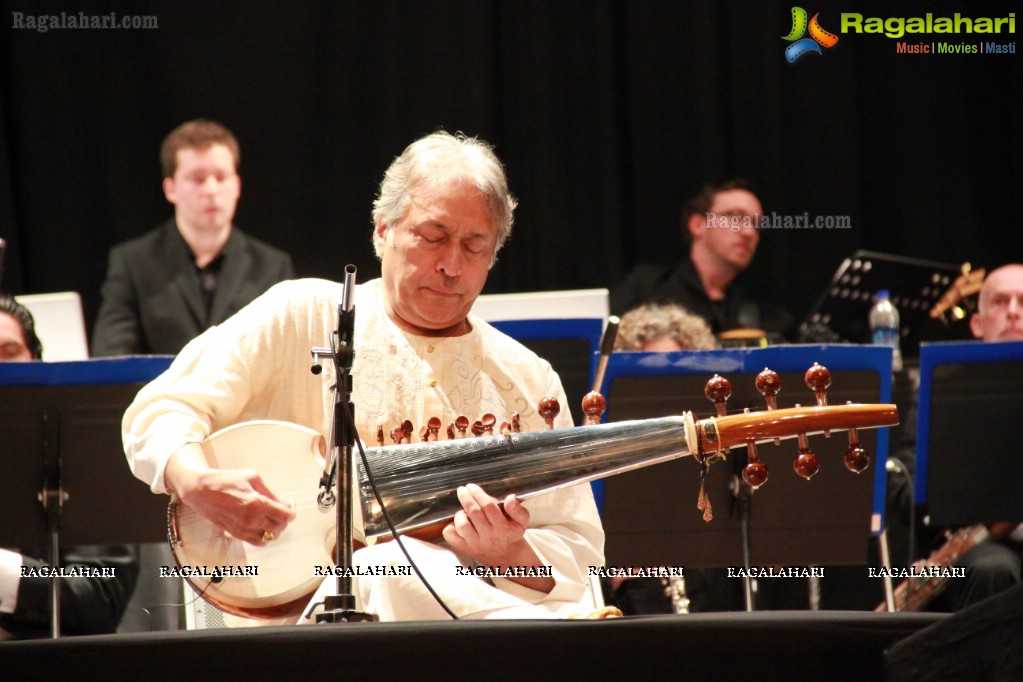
point(608, 114)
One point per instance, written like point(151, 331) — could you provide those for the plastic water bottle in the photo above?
point(884, 326)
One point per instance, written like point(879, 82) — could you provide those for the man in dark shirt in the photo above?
point(721, 227)
point(196, 269)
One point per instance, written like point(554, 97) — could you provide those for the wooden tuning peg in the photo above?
point(433, 424)
point(397, 435)
point(407, 429)
point(380, 435)
point(477, 428)
point(451, 430)
point(718, 390)
point(488, 420)
point(856, 458)
point(594, 405)
point(516, 424)
point(806, 463)
point(755, 472)
point(549, 408)
point(818, 379)
point(462, 424)
point(768, 383)
point(424, 434)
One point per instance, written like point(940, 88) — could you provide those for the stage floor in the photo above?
point(782, 645)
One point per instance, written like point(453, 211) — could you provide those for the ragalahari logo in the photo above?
point(803, 46)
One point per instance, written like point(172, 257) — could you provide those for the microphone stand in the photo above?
point(340, 607)
point(53, 497)
point(743, 493)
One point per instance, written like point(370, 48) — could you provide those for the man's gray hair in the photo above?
point(431, 162)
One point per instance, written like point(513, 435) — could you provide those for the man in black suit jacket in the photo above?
point(163, 289)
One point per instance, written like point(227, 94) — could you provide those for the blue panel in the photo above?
point(124, 370)
point(582, 328)
point(791, 358)
point(933, 355)
point(590, 329)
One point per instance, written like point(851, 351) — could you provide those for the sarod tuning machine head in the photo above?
point(818, 379)
point(755, 472)
point(593, 405)
point(856, 458)
point(718, 390)
point(549, 408)
point(806, 464)
point(768, 383)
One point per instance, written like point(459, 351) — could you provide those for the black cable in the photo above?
point(343, 399)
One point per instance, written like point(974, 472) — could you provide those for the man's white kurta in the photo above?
point(256, 365)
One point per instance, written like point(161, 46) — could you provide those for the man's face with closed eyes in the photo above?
point(436, 257)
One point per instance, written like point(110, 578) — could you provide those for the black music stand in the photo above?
point(650, 515)
point(62, 443)
point(915, 286)
point(969, 432)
